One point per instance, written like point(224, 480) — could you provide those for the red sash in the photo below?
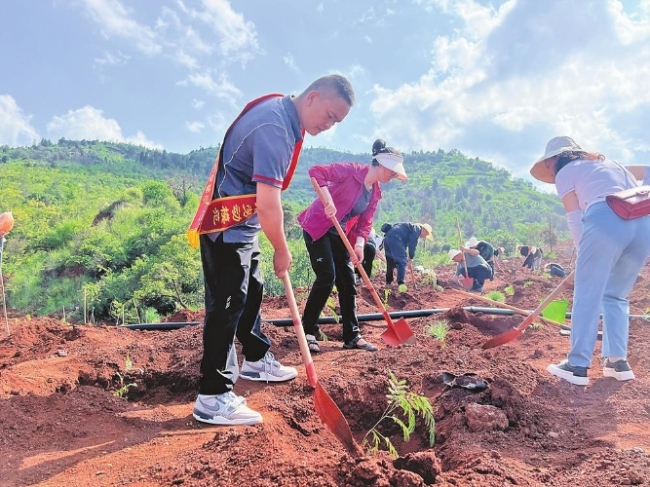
point(223, 213)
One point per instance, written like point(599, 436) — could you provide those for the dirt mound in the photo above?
point(105, 406)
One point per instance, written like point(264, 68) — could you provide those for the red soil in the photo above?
point(63, 424)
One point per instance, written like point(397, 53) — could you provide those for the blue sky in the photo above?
point(493, 79)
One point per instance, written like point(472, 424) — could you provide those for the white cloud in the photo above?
point(629, 29)
point(184, 59)
point(168, 18)
point(218, 123)
point(110, 59)
point(523, 78)
point(237, 36)
point(222, 88)
point(195, 127)
point(355, 71)
point(115, 20)
point(15, 126)
point(89, 123)
point(290, 61)
point(197, 104)
point(140, 139)
point(430, 5)
point(184, 41)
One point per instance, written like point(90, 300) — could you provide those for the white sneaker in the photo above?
point(267, 369)
point(573, 374)
point(224, 409)
point(620, 370)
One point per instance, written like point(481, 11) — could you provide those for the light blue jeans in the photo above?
point(610, 256)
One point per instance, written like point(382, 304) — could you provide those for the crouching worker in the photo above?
point(477, 268)
point(555, 270)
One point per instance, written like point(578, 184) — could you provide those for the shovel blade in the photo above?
point(467, 282)
point(389, 337)
point(503, 338)
point(516, 332)
point(398, 333)
point(333, 418)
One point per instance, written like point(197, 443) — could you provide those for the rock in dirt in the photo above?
point(423, 463)
point(484, 417)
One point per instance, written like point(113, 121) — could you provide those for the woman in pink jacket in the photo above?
point(352, 192)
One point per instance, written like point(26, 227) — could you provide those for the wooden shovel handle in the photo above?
point(312, 378)
point(499, 304)
point(460, 244)
point(515, 333)
point(325, 406)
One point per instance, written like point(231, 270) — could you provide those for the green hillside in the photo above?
point(100, 226)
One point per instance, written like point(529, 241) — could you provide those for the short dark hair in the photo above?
point(337, 84)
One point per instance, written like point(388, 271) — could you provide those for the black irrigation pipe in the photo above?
point(330, 320)
point(162, 326)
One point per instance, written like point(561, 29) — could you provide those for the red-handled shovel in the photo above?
point(326, 408)
point(398, 332)
point(516, 332)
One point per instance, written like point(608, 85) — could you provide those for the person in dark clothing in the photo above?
point(528, 261)
point(528, 251)
point(370, 252)
point(352, 192)
point(555, 270)
point(400, 238)
point(477, 268)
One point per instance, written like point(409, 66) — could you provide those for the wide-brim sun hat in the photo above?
point(429, 230)
point(472, 242)
point(453, 253)
point(394, 162)
point(555, 146)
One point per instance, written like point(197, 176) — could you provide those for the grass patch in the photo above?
point(438, 330)
point(497, 296)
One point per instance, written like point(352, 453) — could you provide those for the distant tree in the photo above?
point(549, 236)
point(154, 192)
point(182, 187)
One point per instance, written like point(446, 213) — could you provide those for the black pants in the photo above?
point(396, 258)
point(369, 252)
point(331, 263)
point(528, 261)
point(479, 273)
point(233, 297)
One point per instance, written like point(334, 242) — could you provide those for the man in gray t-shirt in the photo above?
point(258, 157)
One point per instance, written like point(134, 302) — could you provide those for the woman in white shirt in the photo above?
point(611, 252)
